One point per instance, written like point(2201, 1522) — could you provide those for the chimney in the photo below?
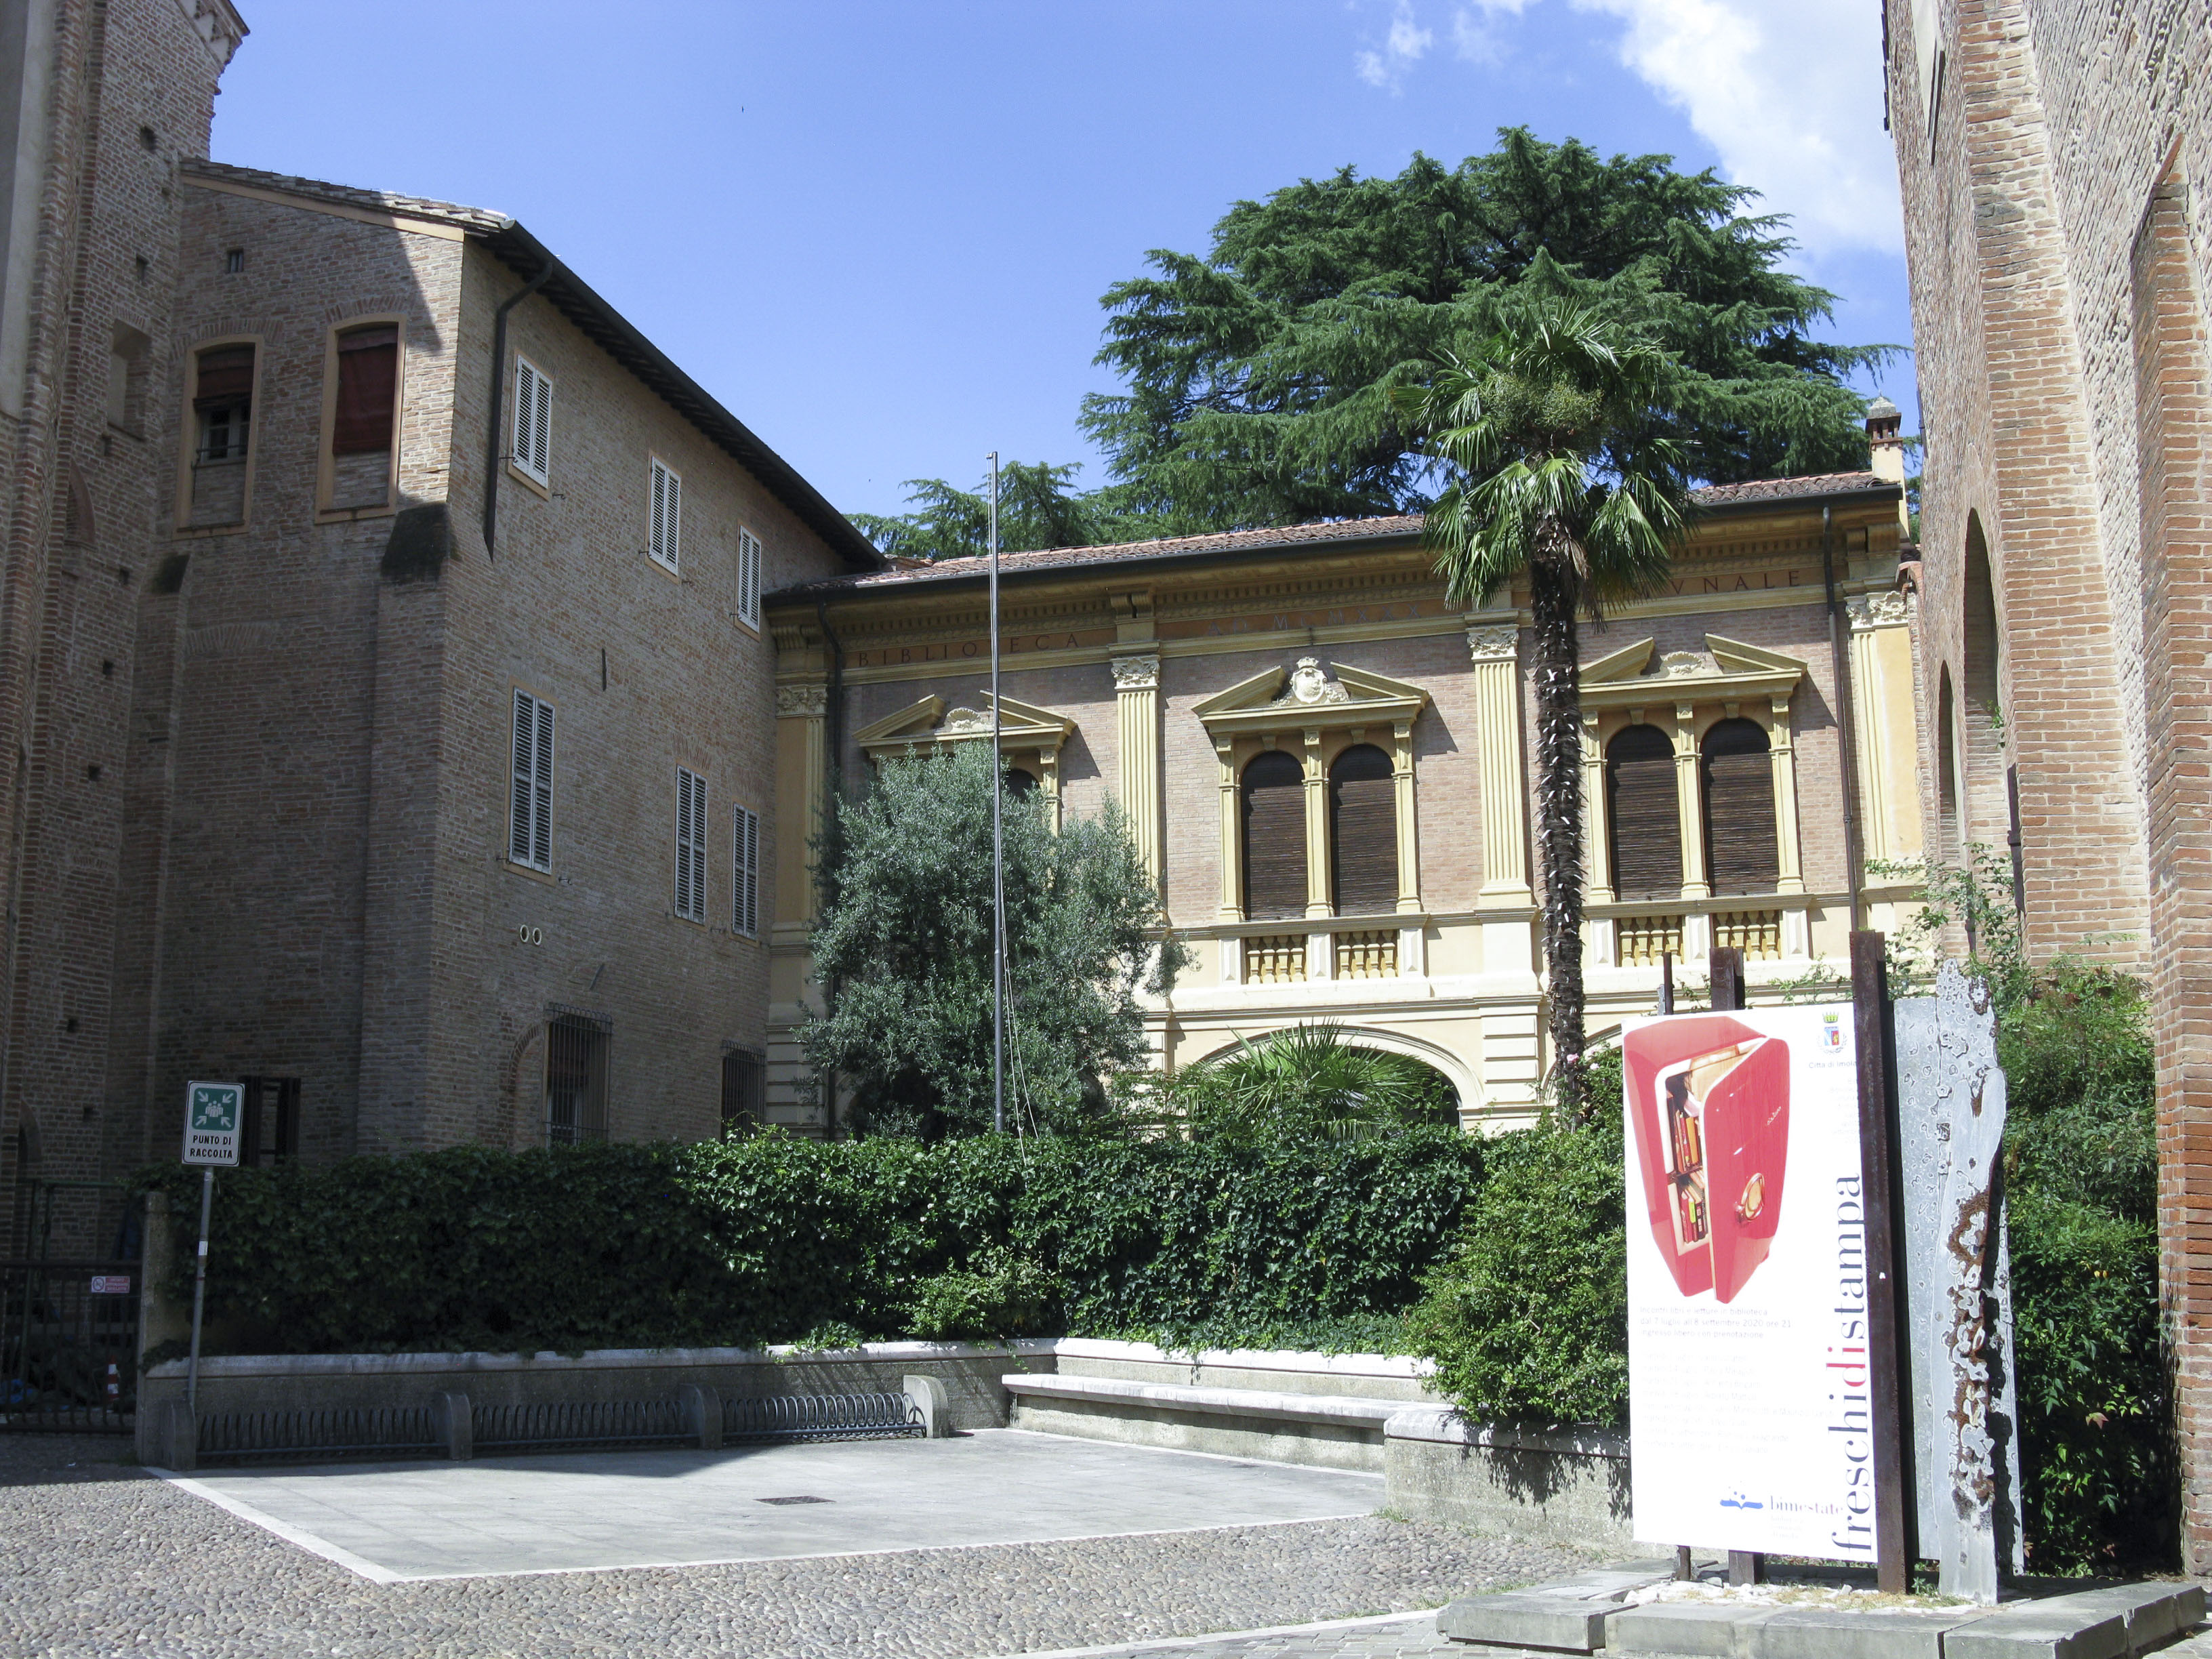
point(1886, 441)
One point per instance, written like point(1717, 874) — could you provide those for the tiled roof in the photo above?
point(1176, 547)
point(1776, 489)
point(482, 220)
point(1256, 541)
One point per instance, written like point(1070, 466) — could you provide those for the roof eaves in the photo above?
point(616, 335)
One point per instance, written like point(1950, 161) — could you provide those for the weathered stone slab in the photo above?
point(1843, 1633)
point(2150, 1612)
point(2048, 1629)
point(1712, 1629)
point(1527, 1619)
point(1564, 1615)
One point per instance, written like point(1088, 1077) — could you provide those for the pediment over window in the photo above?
point(1306, 697)
point(1726, 671)
point(926, 725)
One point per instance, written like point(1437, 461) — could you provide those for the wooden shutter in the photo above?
point(1275, 836)
point(1647, 822)
point(1739, 791)
point(749, 578)
point(368, 390)
point(226, 376)
point(530, 813)
point(744, 905)
point(533, 420)
point(1363, 831)
point(667, 516)
point(690, 845)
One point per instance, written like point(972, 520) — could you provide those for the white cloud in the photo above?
point(1472, 36)
point(1788, 92)
point(1405, 45)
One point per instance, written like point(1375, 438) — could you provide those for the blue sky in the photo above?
point(878, 232)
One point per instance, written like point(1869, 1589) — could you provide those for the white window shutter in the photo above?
point(683, 843)
point(541, 834)
point(525, 406)
point(530, 811)
point(526, 794)
point(667, 517)
point(749, 578)
point(744, 904)
point(542, 437)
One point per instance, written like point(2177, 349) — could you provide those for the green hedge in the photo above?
point(776, 1239)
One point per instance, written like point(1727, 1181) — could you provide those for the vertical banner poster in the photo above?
point(1749, 1411)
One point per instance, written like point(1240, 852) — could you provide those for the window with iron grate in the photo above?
point(575, 1080)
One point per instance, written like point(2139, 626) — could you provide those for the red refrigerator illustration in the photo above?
point(1708, 1103)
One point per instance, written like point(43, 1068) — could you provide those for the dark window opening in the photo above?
point(1742, 853)
point(1275, 836)
point(1020, 783)
point(233, 260)
point(269, 1129)
point(744, 1090)
point(1645, 821)
point(368, 389)
point(1363, 831)
point(223, 396)
point(575, 1081)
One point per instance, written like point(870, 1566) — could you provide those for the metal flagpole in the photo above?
point(998, 847)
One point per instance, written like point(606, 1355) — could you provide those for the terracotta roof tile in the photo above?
point(1254, 541)
point(482, 220)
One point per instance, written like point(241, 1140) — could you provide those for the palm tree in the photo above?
point(1551, 435)
point(1307, 1082)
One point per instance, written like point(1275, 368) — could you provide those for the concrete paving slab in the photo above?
point(1528, 1618)
point(2150, 1612)
point(1707, 1629)
point(2046, 1629)
point(1843, 1633)
point(584, 1511)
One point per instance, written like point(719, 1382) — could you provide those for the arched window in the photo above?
point(1739, 801)
point(1275, 836)
point(1946, 766)
point(1020, 784)
point(1646, 823)
point(1363, 831)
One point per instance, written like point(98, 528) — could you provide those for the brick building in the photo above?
point(2053, 155)
point(404, 722)
point(1327, 764)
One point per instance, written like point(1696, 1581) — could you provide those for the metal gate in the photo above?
point(68, 1323)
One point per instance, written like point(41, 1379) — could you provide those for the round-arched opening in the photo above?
point(1363, 832)
point(1275, 836)
point(1020, 782)
point(1644, 819)
point(1946, 766)
point(1737, 797)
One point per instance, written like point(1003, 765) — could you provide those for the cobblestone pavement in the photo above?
point(98, 1559)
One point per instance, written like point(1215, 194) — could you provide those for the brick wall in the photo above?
point(131, 83)
point(2058, 256)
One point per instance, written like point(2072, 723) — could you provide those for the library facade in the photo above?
point(1328, 765)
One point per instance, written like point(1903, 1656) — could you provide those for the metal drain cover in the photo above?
point(792, 1500)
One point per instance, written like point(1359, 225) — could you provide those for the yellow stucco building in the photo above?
point(1328, 766)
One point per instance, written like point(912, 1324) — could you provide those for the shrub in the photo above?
point(771, 1238)
point(1527, 1319)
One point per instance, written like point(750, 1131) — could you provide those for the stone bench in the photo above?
point(1342, 1432)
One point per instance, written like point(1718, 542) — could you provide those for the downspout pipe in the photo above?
point(833, 742)
point(492, 455)
point(1846, 716)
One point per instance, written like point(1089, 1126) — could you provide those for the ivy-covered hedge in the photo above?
point(776, 1239)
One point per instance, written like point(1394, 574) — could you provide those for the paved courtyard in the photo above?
point(98, 1557)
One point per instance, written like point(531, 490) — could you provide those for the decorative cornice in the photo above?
point(1136, 673)
point(1501, 643)
point(1888, 609)
point(802, 701)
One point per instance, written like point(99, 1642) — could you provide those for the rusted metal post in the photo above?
point(1667, 982)
point(1878, 1179)
point(1744, 1566)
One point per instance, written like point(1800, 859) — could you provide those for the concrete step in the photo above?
point(1380, 1376)
point(1341, 1432)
